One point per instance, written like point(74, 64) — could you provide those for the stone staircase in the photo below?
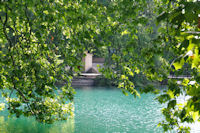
point(85, 79)
point(83, 82)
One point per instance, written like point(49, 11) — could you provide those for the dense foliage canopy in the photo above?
point(40, 41)
point(43, 42)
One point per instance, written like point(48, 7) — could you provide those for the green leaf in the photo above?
point(171, 104)
point(125, 32)
point(124, 92)
point(195, 115)
point(163, 98)
point(170, 93)
point(179, 65)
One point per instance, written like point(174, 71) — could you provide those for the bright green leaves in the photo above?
point(54, 110)
point(180, 14)
point(196, 59)
point(125, 84)
point(179, 65)
point(137, 71)
point(170, 121)
point(140, 50)
point(195, 115)
point(2, 106)
point(170, 93)
point(181, 36)
point(129, 45)
point(46, 12)
point(126, 32)
point(42, 44)
point(128, 71)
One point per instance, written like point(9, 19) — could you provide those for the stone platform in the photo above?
point(85, 79)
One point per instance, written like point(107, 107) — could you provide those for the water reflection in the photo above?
point(29, 125)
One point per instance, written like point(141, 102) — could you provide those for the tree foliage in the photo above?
point(40, 40)
point(177, 32)
point(182, 35)
point(145, 48)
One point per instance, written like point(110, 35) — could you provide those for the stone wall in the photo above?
point(98, 60)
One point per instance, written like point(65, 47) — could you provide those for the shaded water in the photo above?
point(100, 110)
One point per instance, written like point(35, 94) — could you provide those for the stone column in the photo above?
point(87, 62)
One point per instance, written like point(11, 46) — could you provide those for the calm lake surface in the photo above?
point(97, 110)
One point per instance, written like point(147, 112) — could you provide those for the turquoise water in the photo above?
point(100, 110)
point(108, 111)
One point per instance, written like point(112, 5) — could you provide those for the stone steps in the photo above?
point(83, 82)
